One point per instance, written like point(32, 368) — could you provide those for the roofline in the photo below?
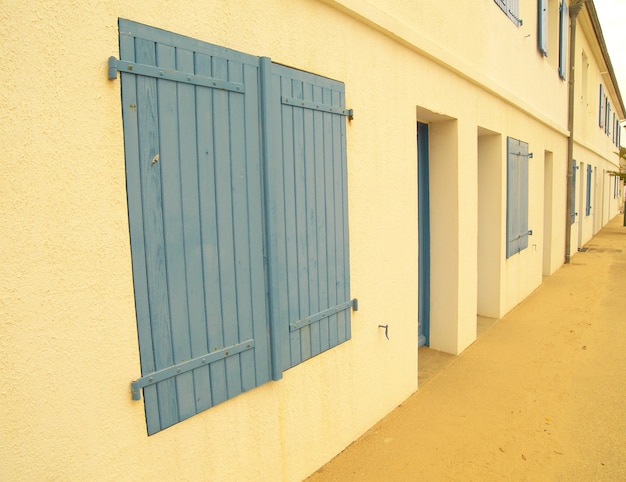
point(593, 15)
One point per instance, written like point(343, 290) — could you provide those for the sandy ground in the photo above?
point(540, 396)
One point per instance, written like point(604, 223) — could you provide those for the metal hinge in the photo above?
point(188, 365)
point(124, 66)
point(296, 325)
point(307, 104)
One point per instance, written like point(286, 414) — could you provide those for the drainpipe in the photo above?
point(574, 9)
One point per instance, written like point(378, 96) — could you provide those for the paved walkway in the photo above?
point(540, 396)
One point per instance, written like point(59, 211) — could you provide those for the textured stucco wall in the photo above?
point(68, 331)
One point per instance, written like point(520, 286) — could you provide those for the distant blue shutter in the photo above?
point(308, 214)
point(614, 131)
point(572, 206)
point(607, 122)
point(511, 9)
point(615, 187)
point(542, 26)
point(563, 35)
point(195, 213)
point(588, 202)
point(513, 12)
point(601, 107)
point(502, 4)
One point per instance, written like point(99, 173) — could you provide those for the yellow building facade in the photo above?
point(489, 92)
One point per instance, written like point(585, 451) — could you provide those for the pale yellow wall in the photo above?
point(592, 145)
point(68, 330)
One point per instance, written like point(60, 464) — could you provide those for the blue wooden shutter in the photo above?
point(572, 206)
point(563, 35)
point(588, 202)
point(523, 195)
point(511, 9)
point(517, 197)
point(512, 195)
point(195, 213)
point(614, 131)
point(607, 121)
point(601, 107)
point(542, 26)
point(308, 214)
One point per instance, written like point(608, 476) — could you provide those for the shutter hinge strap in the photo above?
point(296, 325)
point(186, 366)
point(307, 104)
point(116, 66)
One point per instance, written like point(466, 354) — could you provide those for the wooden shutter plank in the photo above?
point(147, 110)
point(135, 204)
point(224, 184)
point(190, 198)
point(208, 222)
point(319, 340)
point(331, 226)
point(169, 163)
point(288, 229)
point(300, 180)
point(243, 237)
point(310, 335)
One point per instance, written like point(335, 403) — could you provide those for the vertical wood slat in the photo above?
point(310, 335)
point(152, 206)
point(192, 239)
point(132, 86)
point(169, 164)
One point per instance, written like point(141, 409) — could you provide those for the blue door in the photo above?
point(423, 237)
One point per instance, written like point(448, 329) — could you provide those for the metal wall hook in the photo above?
point(386, 327)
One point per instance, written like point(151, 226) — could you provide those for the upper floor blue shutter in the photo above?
point(614, 131)
point(542, 26)
point(607, 120)
point(601, 107)
point(511, 9)
point(308, 214)
point(572, 206)
point(588, 200)
point(194, 189)
point(517, 197)
point(563, 36)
